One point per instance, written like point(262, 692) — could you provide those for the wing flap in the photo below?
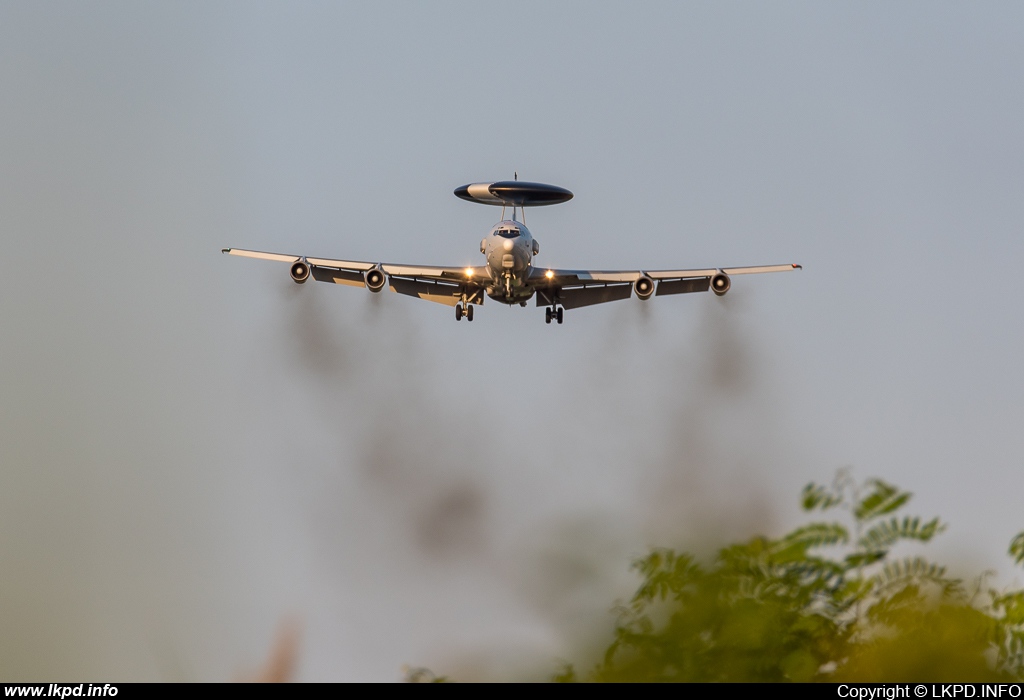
point(683, 286)
point(348, 277)
point(438, 292)
point(575, 297)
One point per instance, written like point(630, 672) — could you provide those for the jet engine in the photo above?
point(720, 284)
point(375, 279)
point(300, 271)
point(643, 287)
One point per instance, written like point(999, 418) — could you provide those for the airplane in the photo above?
point(509, 275)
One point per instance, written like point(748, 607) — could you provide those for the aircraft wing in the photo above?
point(444, 285)
point(575, 288)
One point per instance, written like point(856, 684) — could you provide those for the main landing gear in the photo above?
point(553, 313)
point(461, 311)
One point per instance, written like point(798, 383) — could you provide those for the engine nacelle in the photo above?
point(720, 284)
point(300, 271)
point(375, 279)
point(643, 287)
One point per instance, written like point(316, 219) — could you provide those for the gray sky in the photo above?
point(192, 448)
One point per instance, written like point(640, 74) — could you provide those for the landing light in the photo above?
point(549, 274)
point(469, 272)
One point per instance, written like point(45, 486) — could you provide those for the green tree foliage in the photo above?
point(827, 601)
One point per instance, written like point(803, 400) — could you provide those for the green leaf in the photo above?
point(1011, 605)
point(864, 558)
point(815, 496)
point(665, 573)
point(1017, 548)
point(793, 547)
point(883, 499)
point(885, 534)
point(819, 534)
point(911, 572)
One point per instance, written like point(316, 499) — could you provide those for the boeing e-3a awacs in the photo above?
point(509, 275)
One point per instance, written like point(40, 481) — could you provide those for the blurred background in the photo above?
point(194, 449)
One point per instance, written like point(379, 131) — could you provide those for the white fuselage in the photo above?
point(509, 248)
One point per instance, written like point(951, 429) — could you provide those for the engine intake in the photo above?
point(720, 284)
point(300, 271)
point(643, 287)
point(375, 279)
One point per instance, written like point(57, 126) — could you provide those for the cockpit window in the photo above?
point(508, 232)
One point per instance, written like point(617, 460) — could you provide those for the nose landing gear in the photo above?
point(461, 311)
point(553, 313)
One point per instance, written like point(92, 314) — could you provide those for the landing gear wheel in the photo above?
point(547, 315)
point(458, 312)
point(469, 313)
point(558, 314)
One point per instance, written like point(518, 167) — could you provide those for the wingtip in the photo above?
point(225, 250)
point(797, 267)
